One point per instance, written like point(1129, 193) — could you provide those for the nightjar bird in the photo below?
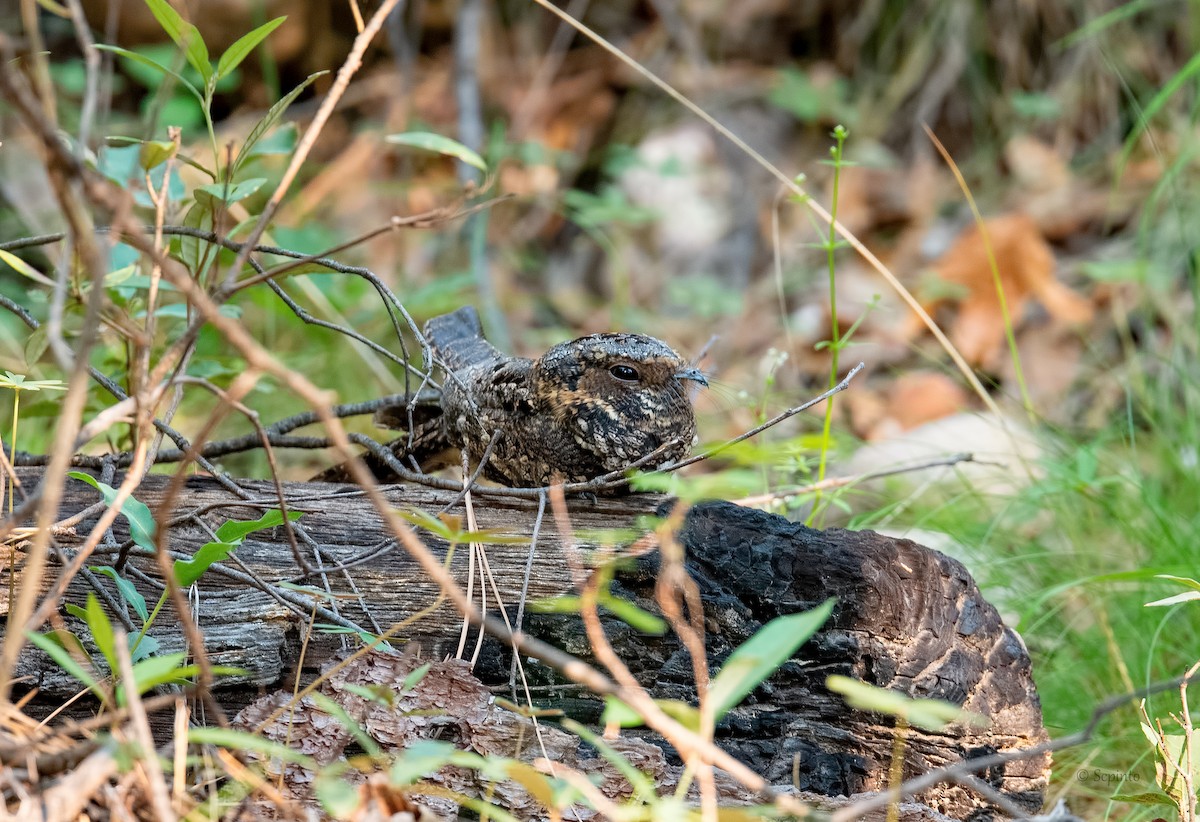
point(584, 408)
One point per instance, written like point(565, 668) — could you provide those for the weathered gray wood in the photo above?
point(245, 627)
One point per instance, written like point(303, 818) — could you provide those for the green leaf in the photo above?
point(146, 61)
point(1144, 798)
point(138, 282)
point(126, 589)
point(19, 382)
point(25, 269)
point(237, 530)
point(282, 140)
point(143, 647)
point(119, 140)
point(196, 253)
point(1188, 581)
point(102, 631)
point(633, 616)
point(1186, 596)
point(185, 35)
point(180, 311)
point(141, 521)
point(187, 571)
point(620, 713)
point(414, 678)
point(213, 194)
point(53, 645)
point(566, 604)
point(270, 119)
point(759, 656)
point(36, 345)
point(338, 796)
point(429, 141)
point(930, 714)
point(120, 277)
point(168, 669)
point(419, 760)
point(158, 670)
point(245, 44)
point(369, 745)
point(155, 153)
point(245, 741)
point(642, 786)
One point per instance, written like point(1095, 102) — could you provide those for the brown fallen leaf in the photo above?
point(924, 396)
point(1025, 263)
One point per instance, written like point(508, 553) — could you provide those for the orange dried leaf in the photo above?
point(1025, 264)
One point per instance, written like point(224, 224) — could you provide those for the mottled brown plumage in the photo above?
point(584, 408)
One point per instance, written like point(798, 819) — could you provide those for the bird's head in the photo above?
point(623, 395)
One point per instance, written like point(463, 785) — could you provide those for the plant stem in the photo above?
point(12, 486)
point(835, 340)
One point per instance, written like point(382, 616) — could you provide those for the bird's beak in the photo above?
point(693, 374)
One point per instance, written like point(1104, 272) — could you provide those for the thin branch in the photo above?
point(778, 418)
point(839, 482)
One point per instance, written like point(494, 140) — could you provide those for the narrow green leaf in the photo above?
point(419, 760)
point(414, 678)
point(76, 611)
point(52, 644)
point(168, 669)
point(930, 714)
point(213, 194)
point(566, 604)
point(157, 670)
point(282, 140)
point(245, 741)
point(141, 521)
point(369, 745)
point(185, 35)
point(237, 530)
point(196, 253)
point(338, 797)
point(146, 61)
point(620, 713)
point(180, 311)
point(633, 616)
point(429, 141)
point(1144, 798)
point(245, 44)
point(36, 345)
point(1186, 596)
point(269, 120)
point(641, 783)
point(126, 589)
point(25, 269)
point(187, 571)
point(1188, 581)
point(102, 631)
point(759, 656)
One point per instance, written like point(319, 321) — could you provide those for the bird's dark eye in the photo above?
point(625, 373)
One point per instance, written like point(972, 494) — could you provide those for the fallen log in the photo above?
point(907, 618)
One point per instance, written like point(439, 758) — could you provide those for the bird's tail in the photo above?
point(457, 338)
